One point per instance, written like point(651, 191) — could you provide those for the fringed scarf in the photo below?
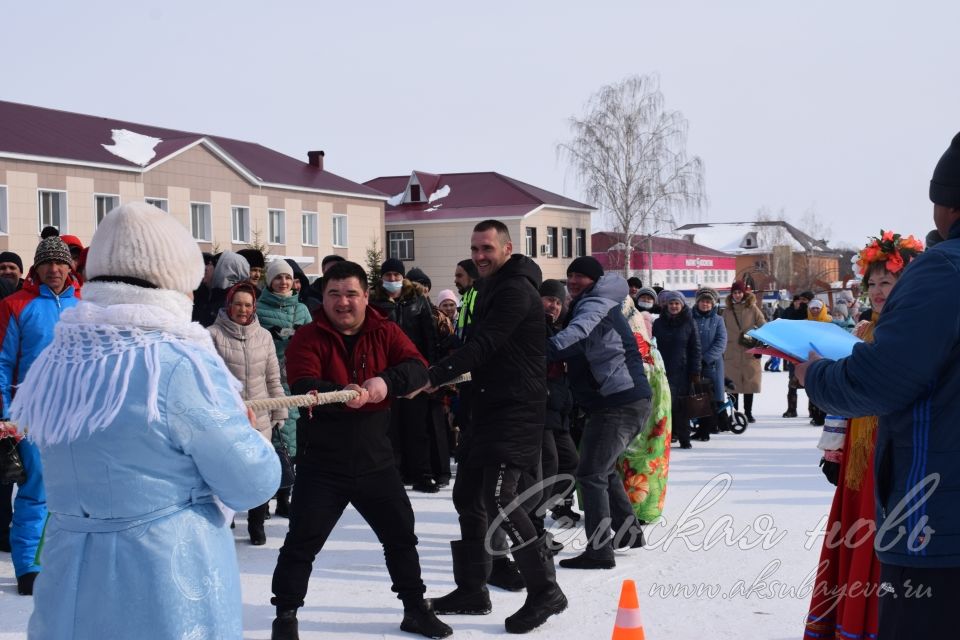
point(70, 391)
point(862, 433)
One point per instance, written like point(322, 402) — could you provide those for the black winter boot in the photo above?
point(283, 503)
point(471, 566)
point(285, 626)
point(255, 519)
point(504, 574)
point(791, 411)
point(544, 597)
point(426, 484)
point(419, 618)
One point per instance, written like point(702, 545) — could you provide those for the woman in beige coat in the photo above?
point(248, 350)
point(741, 315)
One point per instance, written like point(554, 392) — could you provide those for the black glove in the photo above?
point(831, 470)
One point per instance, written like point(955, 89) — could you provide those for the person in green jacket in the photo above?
point(281, 313)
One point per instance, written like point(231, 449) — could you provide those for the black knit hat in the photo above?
point(945, 184)
point(417, 275)
point(586, 265)
point(254, 258)
point(394, 265)
point(553, 289)
point(10, 256)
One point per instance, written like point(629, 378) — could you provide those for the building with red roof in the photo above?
point(429, 218)
point(671, 263)
point(68, 170)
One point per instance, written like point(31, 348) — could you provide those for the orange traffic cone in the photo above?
point(629, 625)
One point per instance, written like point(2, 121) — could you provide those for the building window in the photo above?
point(53, 210)
point(566, 242)
point(581, 242)
point(200, 221)
point(103, 205)
point(159, 203)
point(414, 193)
point(339, 230)
point(240, 224)
point(531, 239)
point(276, 226)
point(551, 242)
point(308, 229)
point(3, 210)
point(400, 245)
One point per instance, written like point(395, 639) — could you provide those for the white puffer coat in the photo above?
point(252, 358)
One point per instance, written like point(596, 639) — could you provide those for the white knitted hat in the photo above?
point(137, 240)
point(275, 267)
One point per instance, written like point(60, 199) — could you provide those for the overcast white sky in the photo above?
point(844, 107)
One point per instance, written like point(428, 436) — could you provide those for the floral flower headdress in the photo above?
point(894, 250)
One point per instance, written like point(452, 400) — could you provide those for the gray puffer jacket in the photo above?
point(603, 361)
point(252, 359)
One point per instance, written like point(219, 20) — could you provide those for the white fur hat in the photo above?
point(139, 241)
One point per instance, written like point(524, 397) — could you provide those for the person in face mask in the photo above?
point(401, 301)
point(646, 300)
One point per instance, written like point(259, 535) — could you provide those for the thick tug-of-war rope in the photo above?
point(306, 401)
point(316, 399)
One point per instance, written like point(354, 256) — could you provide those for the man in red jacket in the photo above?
point(344, 455)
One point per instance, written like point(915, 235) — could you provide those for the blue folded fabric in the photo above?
point(799, 337)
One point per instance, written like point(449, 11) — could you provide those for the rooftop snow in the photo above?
point(133, 147)
point(442, 192)
point(728, 237)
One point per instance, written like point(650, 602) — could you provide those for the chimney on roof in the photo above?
point(315, 158)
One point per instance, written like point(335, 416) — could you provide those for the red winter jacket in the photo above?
point(339, 439)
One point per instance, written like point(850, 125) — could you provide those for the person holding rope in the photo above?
point(345, 456)
point(505, 354)
point(146, 431)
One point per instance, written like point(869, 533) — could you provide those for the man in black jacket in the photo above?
point(506, 357)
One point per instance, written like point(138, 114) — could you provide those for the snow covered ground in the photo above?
point(752, 579)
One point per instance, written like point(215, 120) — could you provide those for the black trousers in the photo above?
point(559, 457)
point(921, 604)
point(481, 494)
point(681, 423)
point(410, 429)
point(6, 507)
point(319, 500)
point(439, 442)
point(747, 402)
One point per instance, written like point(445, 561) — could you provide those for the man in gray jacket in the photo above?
point(608, 383)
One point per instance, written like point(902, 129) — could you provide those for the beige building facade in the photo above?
point(431, 218)
point(437, 246)
point(215, 194)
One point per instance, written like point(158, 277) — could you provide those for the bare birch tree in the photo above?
point(629, 153)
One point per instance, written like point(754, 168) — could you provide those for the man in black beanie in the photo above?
point(11, 269)
point(609, 384)
point(257, 264)
point(909, 376)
